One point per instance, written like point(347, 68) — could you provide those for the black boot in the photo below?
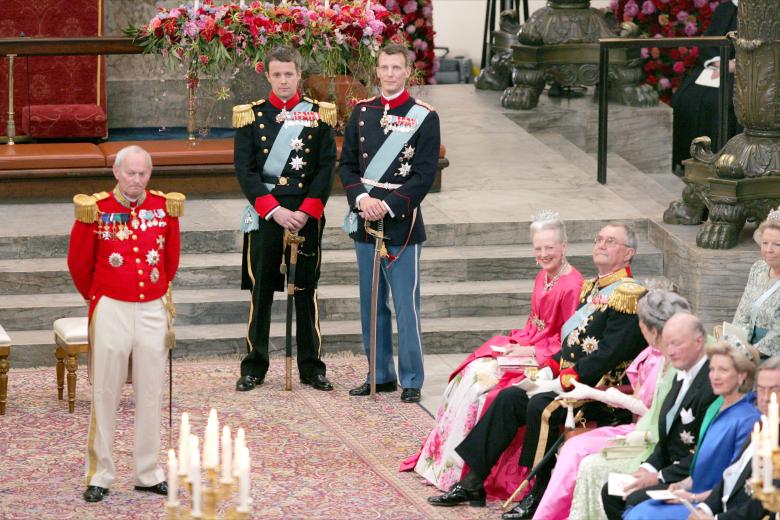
point(467, 490)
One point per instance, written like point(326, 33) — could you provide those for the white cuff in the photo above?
point(649, 467)
point(704, 507)
point(358, 199)
point(390, 211)
point(268, 216)
point(711, 61)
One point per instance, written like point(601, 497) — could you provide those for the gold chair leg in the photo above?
point(4, 366)
point(60, 355)
point(72, 365)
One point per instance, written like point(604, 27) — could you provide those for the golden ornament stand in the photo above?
point(213, 493)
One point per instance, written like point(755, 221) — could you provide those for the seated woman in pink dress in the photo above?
point(474, 384)
point(653, 310)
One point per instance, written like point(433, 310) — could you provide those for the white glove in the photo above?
point(545, 374)
point(618, 399)
point(547, 386)
point(582, 392)
point(636, 438)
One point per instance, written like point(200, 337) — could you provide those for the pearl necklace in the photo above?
point(549, 284)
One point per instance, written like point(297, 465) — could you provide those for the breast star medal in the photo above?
point(296, 163)
point(116, 260)
point(296, 144)
point(152, 257)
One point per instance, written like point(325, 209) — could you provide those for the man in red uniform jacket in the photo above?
point(123, 255)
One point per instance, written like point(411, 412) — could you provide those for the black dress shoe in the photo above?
point(458, 495)
point(365, 388)
point(410, 395)
point(525, 509)
point(318, 381)
point(160, 489)
point(247, 383)
point(95, 493)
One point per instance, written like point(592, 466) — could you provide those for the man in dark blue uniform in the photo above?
point(284, 157)
point(388, 164)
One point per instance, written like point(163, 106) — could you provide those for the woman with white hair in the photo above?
point(759, 309)
point(478, 379)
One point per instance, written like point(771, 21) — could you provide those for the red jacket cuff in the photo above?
point(265, 204)
point(568, 375)
point(313, 207)
point(556, 367)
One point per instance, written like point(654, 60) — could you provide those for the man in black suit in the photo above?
point(729, 499)
point(680, 419)
point(598, 343)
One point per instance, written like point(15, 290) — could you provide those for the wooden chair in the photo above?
point(71, 338)
point(5, 350)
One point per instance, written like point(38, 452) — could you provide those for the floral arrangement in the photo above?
point(665, 68)
point(417, 22)
point(338, 37)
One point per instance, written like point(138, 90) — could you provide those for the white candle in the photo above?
point(195, 463)
point(243, 482)
point(327, 4)
point(192, 451)
point(184, 439)
point(227, 455)
point(173, 479)
point(211, 443)
point(240, 443)
point(773, 420)
point(755, 440)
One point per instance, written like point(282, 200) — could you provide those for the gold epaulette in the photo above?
point(426, 105)
point(244, 115)
point(327, 111)
point(625, 297)
point(85, 208)
point(587, 286)
point(174, 203)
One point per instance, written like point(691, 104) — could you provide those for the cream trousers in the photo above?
point(118, 329)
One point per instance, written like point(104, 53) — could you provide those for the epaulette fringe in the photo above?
point(244, 115)
point(626, 296)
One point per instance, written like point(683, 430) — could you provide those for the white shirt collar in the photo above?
point(690, 374)
point(390, 98)
point(735, 2)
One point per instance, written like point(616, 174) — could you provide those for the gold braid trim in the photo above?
point(625, 297)
point(328, 113)
point(174, 203)
point(85, 208)
point(244, 115)
point(587, 286)
point(544, 431)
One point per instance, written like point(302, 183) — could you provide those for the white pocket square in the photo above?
point(686, 416)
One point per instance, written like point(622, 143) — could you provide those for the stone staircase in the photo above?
point(476, 281)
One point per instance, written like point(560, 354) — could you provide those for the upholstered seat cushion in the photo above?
point(50, 155)
point(72, 330)
point(66, 120)
point(5, 340)
point(176, 152)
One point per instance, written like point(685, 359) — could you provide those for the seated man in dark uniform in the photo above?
point(598, 343)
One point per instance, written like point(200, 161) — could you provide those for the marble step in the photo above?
point(336, 302)
point(438, 264)
point(229, 240)
point(440, 336)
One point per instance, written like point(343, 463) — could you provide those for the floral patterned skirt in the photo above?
point(462, 405)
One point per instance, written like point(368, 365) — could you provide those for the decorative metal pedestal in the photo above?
point(559, 44)
point(740, 183)
point(498, 75)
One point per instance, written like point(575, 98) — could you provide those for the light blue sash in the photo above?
point(757, 333)
point(583, 312)
point(384, 158)
point(274, 164)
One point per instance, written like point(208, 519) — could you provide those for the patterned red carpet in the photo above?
point(315, 455)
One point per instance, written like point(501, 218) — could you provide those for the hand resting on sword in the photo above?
point(292, 221)
point(372, 209)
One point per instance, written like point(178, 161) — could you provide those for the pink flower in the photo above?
point(191, 29)
point(630, 9)
point(678, 67)
point(648, 7)
point(699, 3)
point(613, 5)
point(420, 45)
point(410, 28)
point(664, 83)
point(645, 52)
point(691, 28)
point(410, 6)
point(682, 16)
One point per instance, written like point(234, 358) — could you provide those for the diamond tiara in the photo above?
point(547, 215)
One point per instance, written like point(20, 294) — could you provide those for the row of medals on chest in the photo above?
point(115, 226)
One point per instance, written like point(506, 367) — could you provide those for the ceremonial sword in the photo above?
point(293, 240)
point(380, 251)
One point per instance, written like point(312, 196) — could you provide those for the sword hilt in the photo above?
point(379, 236)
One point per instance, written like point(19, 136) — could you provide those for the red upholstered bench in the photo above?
point(71, 121)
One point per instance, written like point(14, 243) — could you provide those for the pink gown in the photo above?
point(556, 502)
point(477, 381)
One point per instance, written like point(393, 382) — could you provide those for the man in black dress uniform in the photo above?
point(598, 343)
point(387, 166)
point(284, 157)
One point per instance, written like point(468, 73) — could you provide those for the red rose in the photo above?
point(209, 31)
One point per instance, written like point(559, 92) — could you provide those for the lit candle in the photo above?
point(240, 443)
point(195, 478)
point(184, 439)
point(773, 420)
point(327, 4)
point(755, 441)
point(211, 443)
point(192, 450)
point(227, 455)
point(243, 482)
point(173, 479)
